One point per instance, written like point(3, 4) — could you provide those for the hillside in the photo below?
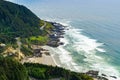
point(44, 72)
point(16, 21)
point(20, 29)
point(12, 70)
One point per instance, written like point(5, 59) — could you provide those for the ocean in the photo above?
point(92, 37)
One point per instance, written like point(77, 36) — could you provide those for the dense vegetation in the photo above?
point(12, 70)
point(17, 21)
point(2, 48)
point(26, 50)
point(45, 72)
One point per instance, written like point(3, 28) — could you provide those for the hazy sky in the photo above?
point(75, 8)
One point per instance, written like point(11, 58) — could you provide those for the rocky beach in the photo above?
point(44, 55)
point(41, 53)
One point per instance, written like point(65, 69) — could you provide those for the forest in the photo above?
point(17, 21)
point(43, 72)
point(11, 69)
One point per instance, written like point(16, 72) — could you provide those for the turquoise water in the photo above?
point(93, 38)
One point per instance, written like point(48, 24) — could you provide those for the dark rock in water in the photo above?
point(101, 78)
point(67, 29)
point(61, 43)
point(114, 77)
point(53, 43)
point(92, 73)
point(62, 37)
point(104, 75)
point(95, 74)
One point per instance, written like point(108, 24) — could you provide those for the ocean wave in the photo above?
point(89, 47)
point(83, 45)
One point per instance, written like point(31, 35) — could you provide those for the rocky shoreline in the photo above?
point(95, 74)
point(56, 34)
point(54, 40)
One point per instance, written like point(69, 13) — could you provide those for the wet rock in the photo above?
point(61, 43)
point(53, 43)
point(92, 73)
point(104, 75)
point(101, 78)
point(114, 77)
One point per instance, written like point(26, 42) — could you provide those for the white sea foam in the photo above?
point(84, 46)
point(90, 47)
point(64, 40)
point(84, 43)
point(66, 58)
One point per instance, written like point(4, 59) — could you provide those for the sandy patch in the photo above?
point(45, 59)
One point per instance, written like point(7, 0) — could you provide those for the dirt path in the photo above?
point(19, 46)
point(41, 28)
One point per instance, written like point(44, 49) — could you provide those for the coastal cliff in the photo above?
point(20, 29)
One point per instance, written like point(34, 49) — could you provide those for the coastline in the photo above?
point(51, 58)
point(42, 54)
point(93, 73)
